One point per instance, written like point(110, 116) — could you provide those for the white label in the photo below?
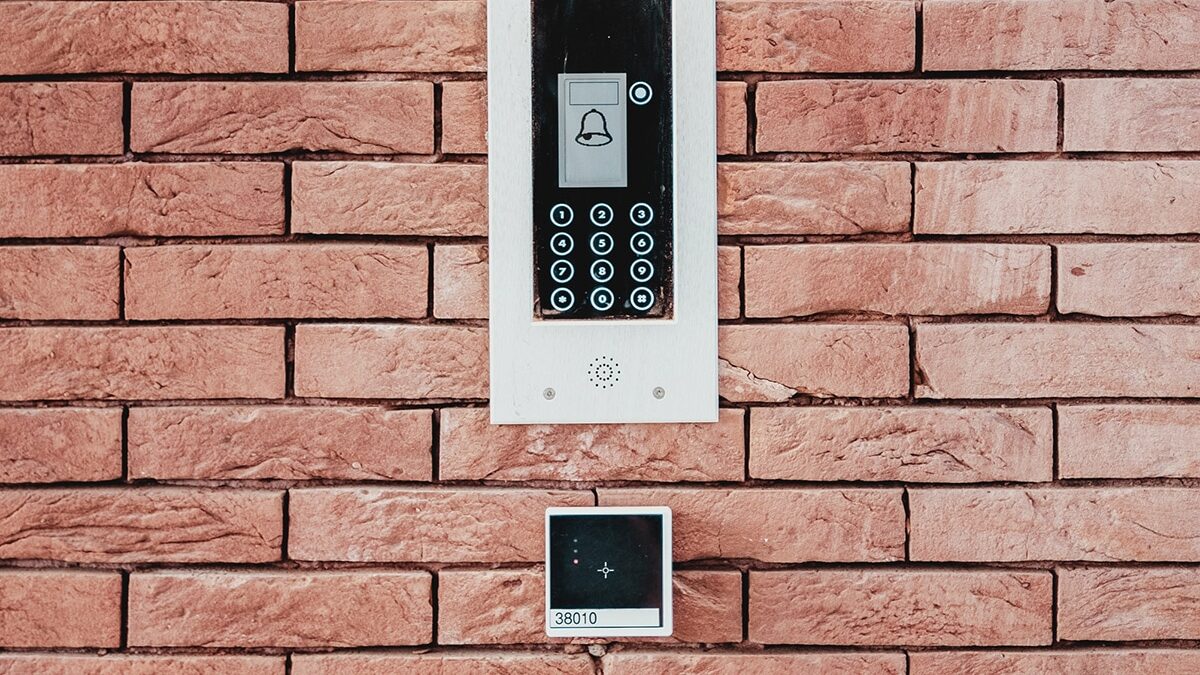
point(634, 617)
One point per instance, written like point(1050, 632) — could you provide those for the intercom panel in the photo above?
point(602, 202)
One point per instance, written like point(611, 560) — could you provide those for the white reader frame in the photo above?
point(540, 368)
point(667, 566)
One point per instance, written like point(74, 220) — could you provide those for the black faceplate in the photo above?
point(582, 546)
point(604, 36)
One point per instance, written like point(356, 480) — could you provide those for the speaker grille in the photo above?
point(604, 372)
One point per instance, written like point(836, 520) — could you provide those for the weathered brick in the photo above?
point(1073, 662)
point(1129, 603)
point(471, 448)
point(1136, 115)
point(391, 37)
point(804, 524)
point(167, 362)
point(259, 117)
point(60, 608)
point(638, 662)
point(1128, 441)
point(464, 117)
point(48, 445)
point(729, 282)
point(926, 445)
point(460, 281)
point(816, 36)
point(995, 360)
point(398, 362)
point(59, 282)
point(394, 199)
point(920, 279)
point(1006, 524)
point(1061, 35)
point(775, 363)
point(944, 608)
point(907, 115)
point(293, 608)
point(276, 281)
point(137, 664)
point(162, 200)
point(422, 525)
point(290, 443)
point(60, 118)
point(113, 525)
point(143, 37)
point(1129, 279)
point(731, 118)
point(444, 663)
point(508, 606)
point(1044, 197)
point(813, 198)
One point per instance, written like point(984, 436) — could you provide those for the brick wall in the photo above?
point(243, 348)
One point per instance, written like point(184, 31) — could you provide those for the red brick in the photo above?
point(762, 663)
point(444, 663)
point(420, 525)
point(471, 448)
point(812, 198)
point(59, 282)
point(295, 608)
point(276, 281)
point(1128, 603)
point(995, 360)
point(391, 36)
point(1136, 115)
point(60, 608)
point(137, 199)
point(130, 664)
point(397, 362)
point(464, 117)
point(907, 115)
point(925, 445)
point(460, 281)
point(921, 279)
point(776, 363)
point(48, 445)
point(115, 525)
point(509, 606)
point(258, 117)
point(276, 442)
point(1045, 197)
point(1128, 441)
point(143, 37)
point(793, 525)
point(1074, 662)
point(816, 36)
point(393, 199)
point(1061, 35)
point(1011, 524)
point(729, 282)
point(901, 607)
point(141, 362)
point(1129, 279)
point(731, 118)
point(60, 118)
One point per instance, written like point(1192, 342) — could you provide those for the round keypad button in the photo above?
point(562, 243)
point(641, 270)
point(641, 214)
point(641, 298)
point(561, 215)
point(601, 214)
point(601, 243)
point(641, 243)
point(562, 271)
point(602, 271)
point(562, 299)
point(602, 298)
point(640, 93)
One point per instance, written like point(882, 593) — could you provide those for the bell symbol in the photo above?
point(593, 129)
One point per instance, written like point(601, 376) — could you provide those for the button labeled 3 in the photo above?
point(641, 214)
point(561, 215)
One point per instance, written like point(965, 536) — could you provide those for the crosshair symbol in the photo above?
point(605, 570)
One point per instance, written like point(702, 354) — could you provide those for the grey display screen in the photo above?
point(592, 136)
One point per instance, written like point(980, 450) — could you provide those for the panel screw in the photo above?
point(548, 393)
point(659, 392)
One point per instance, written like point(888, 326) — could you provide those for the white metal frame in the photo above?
point(668, 367)
point(667, 565)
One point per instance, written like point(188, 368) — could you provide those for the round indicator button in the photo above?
point(562, 299)
point(641, 243)
point(602, 298)
point(562, 271)
point(602, 243)
point(641, 214)
point(561, 215)
point(641, 270)
point(601, 214)
point(562, 243)
point(640, 93)
point(602, 271)
point(641, 298)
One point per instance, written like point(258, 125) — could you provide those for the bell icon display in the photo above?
point(593, 129)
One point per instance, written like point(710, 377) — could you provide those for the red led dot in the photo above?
point(575, 561)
